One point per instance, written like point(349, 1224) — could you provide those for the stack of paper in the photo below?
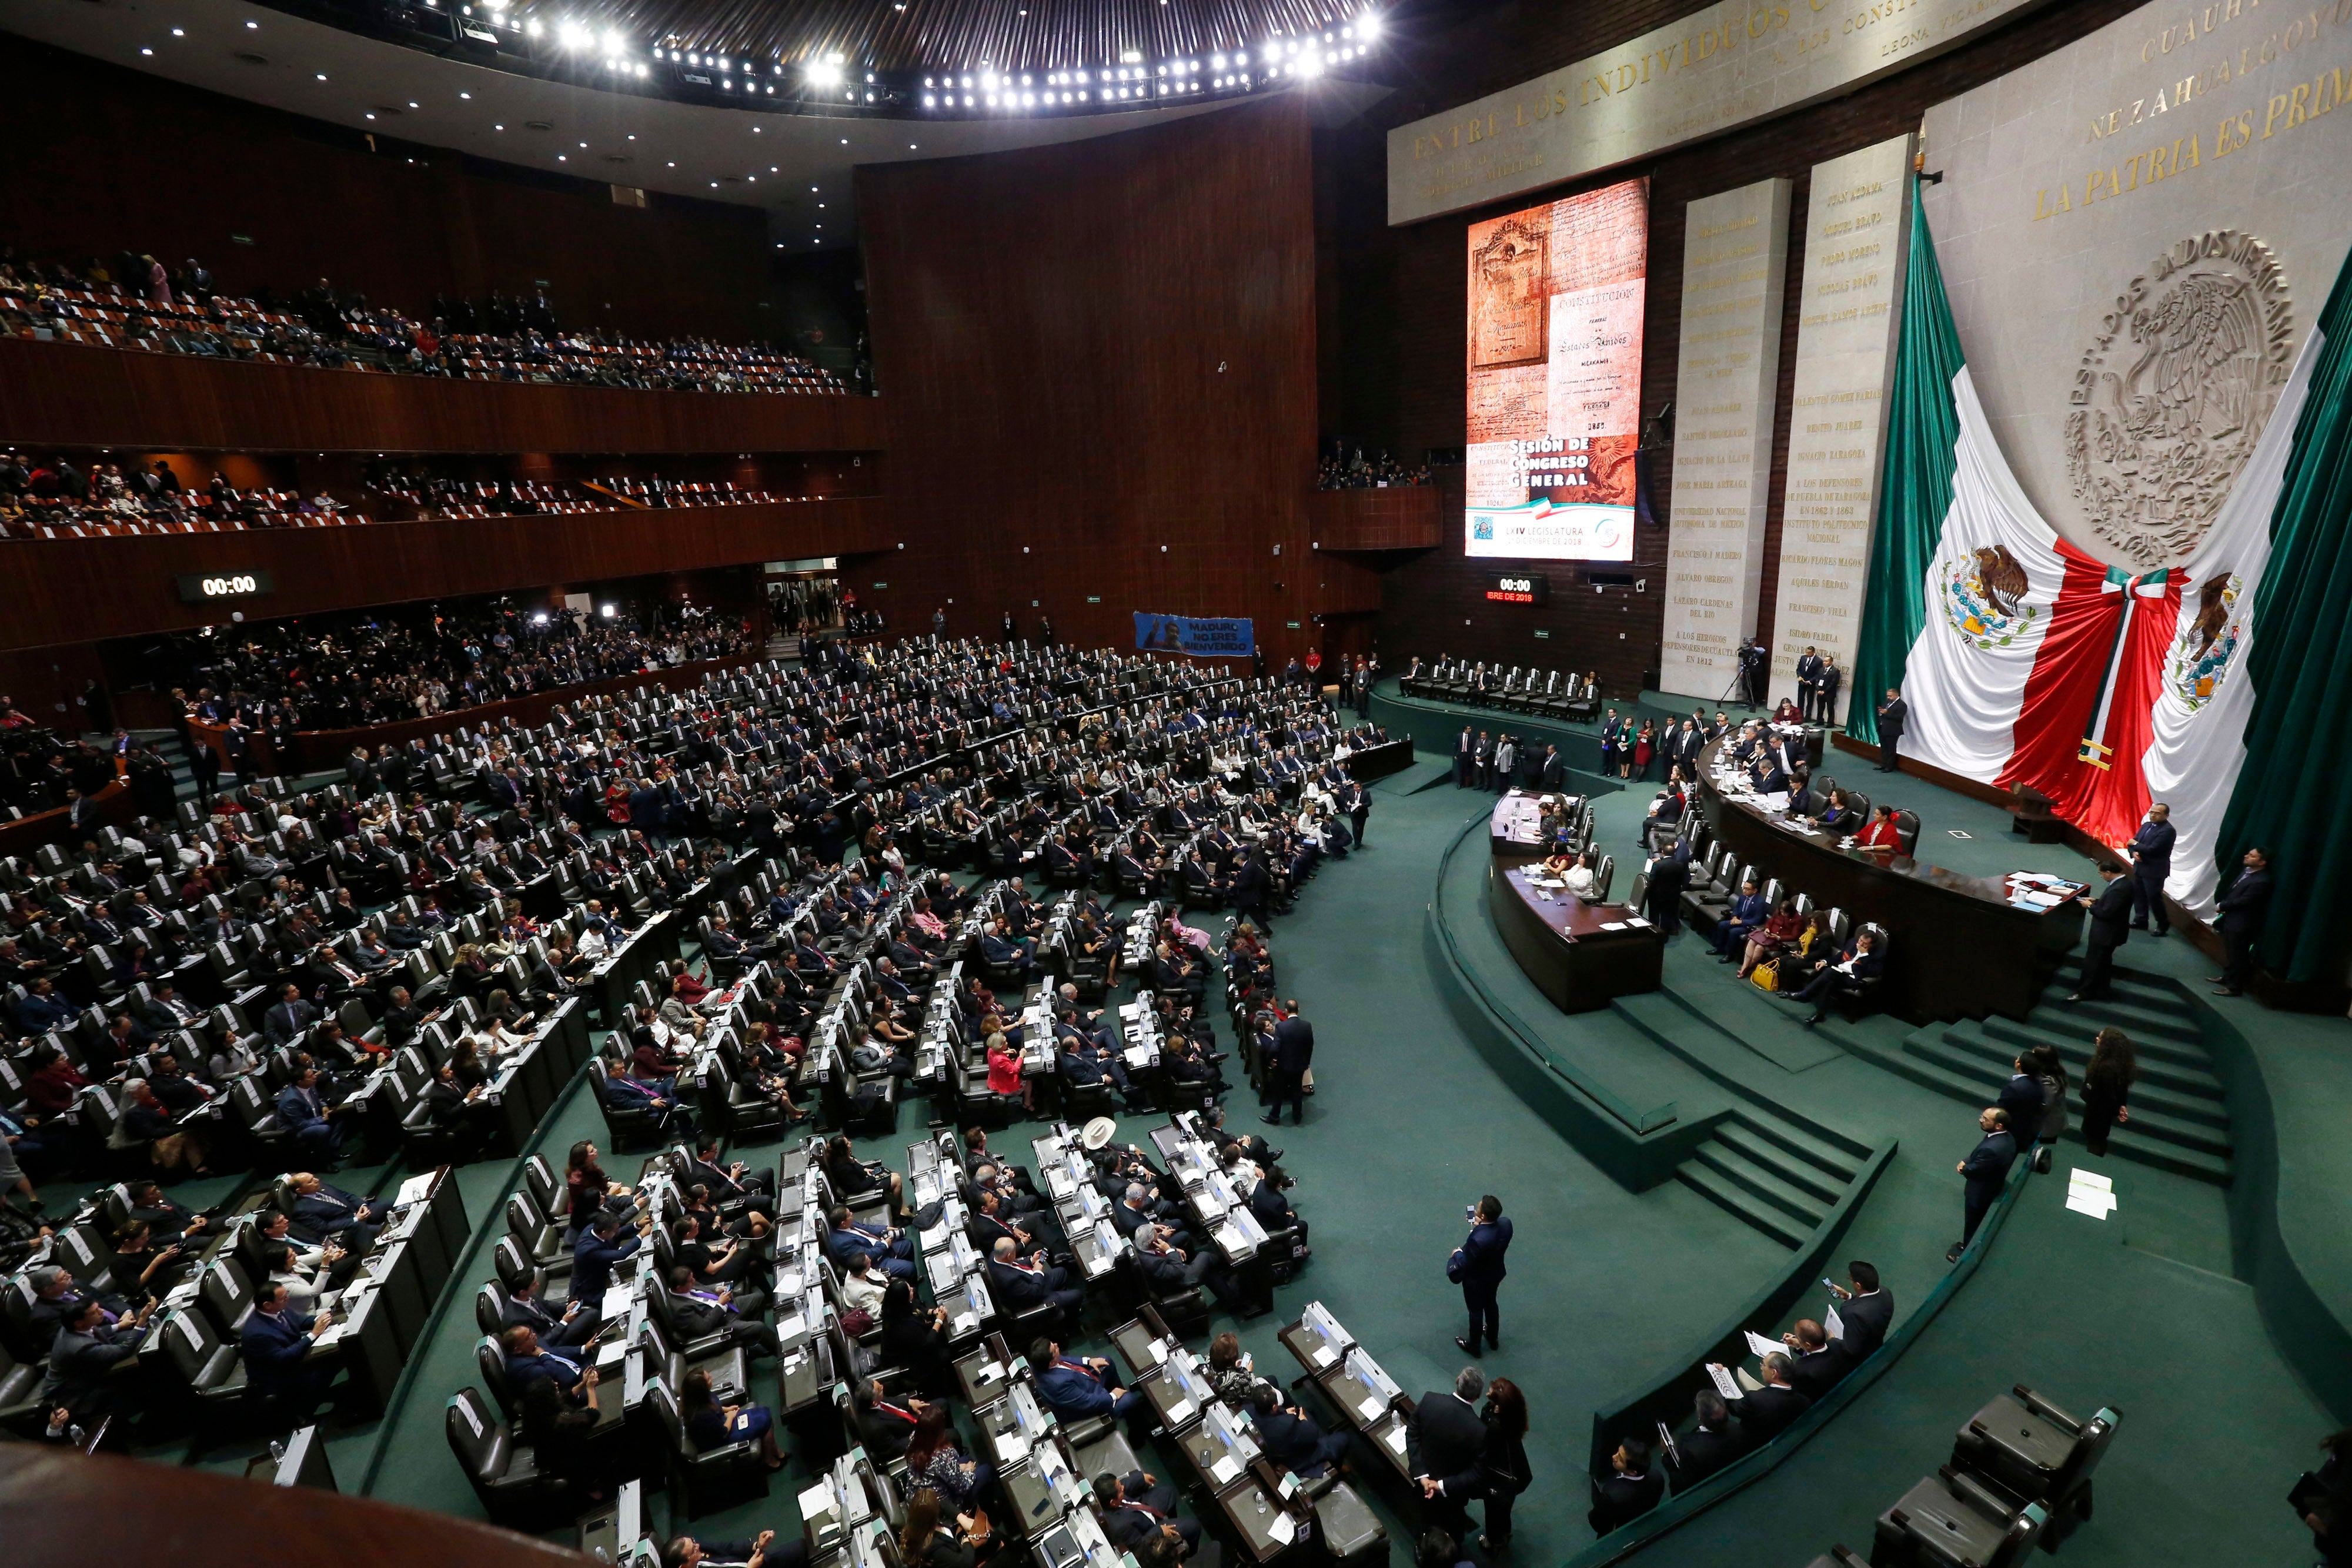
point(2088, 1192)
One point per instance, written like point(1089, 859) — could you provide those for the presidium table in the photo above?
point(1580, 955)
point(1958, 945)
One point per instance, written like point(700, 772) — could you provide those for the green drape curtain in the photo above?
point(1914, 488)
point(2290, 800)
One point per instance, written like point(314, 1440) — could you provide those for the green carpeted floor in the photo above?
point(1606, 1285)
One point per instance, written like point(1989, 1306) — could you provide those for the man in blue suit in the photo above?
point(1291, 1439)
point(2151, 862)
point(304, 1113)
point(1075, 1390)
point(889, 1250)
point(1985, 1172)
point(594, 1255)
point(1286, 1071)
point(528, 1360)
point(322, 1212)
point(1478, 1266)
point(1742, 920)
point(274, 1342)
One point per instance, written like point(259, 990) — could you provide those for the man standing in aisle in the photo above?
point(1985, 1172)
point(1893, 715)
point(1478, 1267)
point(1465, 758)
point(1285, 1075)
point(1827, 683)
point(2151, 864)
point(2111, 924)
point(1809, 682)
point(2242, 907)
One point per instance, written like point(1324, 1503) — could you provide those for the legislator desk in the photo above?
point(1368, 763)
point(1958, 946)
point(1580, 955)
point(1515, 830)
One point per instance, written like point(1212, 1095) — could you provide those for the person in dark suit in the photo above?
point(1477, 1266)
point(291, 1019)
point(577, 1326)
point(1984, 1172)
point(1830, 679)
point(1865, 1308)
point(2242, 907)
point(1250, 888)
point(1706, 1447)
point(2021, 1100)
point(1741, 921)
point(1764, 1412)
point(1631, 1488)
point(1816, 1363)
point(1075, 1389)
point(2151, 862)
point(2111, 922)
point(1446, 1443)
point(1669, 874)
point(1893, 715)
point(1134, 1506)
point(594, 1255)
point(1465, 758)
point(322, 1213)
point(1286, 1073)
point(1290, 1439)
point(1019, 1284)
point(1809, 682)
point(275, 1341)
point(83, 1354)
point(1861, 964)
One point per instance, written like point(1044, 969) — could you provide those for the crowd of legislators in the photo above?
point(1342, 469)
point(136, 299)
point(417, 662)
point(56, 492)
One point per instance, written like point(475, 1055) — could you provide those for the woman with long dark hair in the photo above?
point(2107, 1087)
point(1505, 1462)
point(935, 1460)
point(585, 1185)
point(2044, 1065)
point(929, 1539)
point(916, 1338)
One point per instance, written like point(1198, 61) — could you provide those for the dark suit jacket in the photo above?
point(1765, 1411)
point(1988, 1166)
point(1619, 1500)
point(1893, 716)
point(1704, 1452)
point(2111, 914)
point(2242, 905)
point(1816, 1373)
point(1866, 1320)
point(1482, 1253)
point(1294, 1047)
point(1290, 1441)
point(1448, 1440)
point(2152, 847)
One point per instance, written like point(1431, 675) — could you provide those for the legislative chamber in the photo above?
point(1303, 783)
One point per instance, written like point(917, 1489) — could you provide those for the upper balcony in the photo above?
point(79, 395)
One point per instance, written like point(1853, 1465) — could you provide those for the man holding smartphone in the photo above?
point(1478, 1267)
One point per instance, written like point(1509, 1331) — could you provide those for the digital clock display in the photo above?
point(205, 587)
point(1523, 588)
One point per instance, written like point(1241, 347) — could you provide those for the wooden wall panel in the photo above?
point(82, 590)
point(1402, 293)
point(1101, 376)
point(105, 158)
point(1408, 518)
point(74, 394)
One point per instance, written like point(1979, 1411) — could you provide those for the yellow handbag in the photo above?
point(1767, 975)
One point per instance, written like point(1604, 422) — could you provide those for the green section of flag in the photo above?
point(1915, 488)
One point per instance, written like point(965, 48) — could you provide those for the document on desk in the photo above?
point(1224, 1470)
point(1760, 1347)
point(786, 1327)
point(1613, 925)
point(1157, 1351)
point(1370, 1407)
point(416, 1188)
point(1179, 1413)
point(611, 1352)
point(1639, 922)
point(1282, 1529)
point(1011, 1447)
point(1325, 1355)
point(1397, 1437)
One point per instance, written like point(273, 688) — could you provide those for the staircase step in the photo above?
point(2142, 1020)
point(2167, 1089)
point(1739, 1202)
point(1801, 1159)
point(1762, 1182)
point(2190, 1072)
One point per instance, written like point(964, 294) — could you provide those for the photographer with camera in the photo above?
point(1478, 1267)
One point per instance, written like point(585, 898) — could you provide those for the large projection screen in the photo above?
point(1554, 378)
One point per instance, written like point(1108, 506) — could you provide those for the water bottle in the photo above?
point(1261, 1503)
point(277, 1451)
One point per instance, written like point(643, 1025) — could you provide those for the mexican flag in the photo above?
point(2025, 661)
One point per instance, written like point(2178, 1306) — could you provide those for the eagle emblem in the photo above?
point(2173, 392)
point(2207, 643)
point(1984, 597)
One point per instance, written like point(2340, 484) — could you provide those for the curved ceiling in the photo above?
point(796, 166)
